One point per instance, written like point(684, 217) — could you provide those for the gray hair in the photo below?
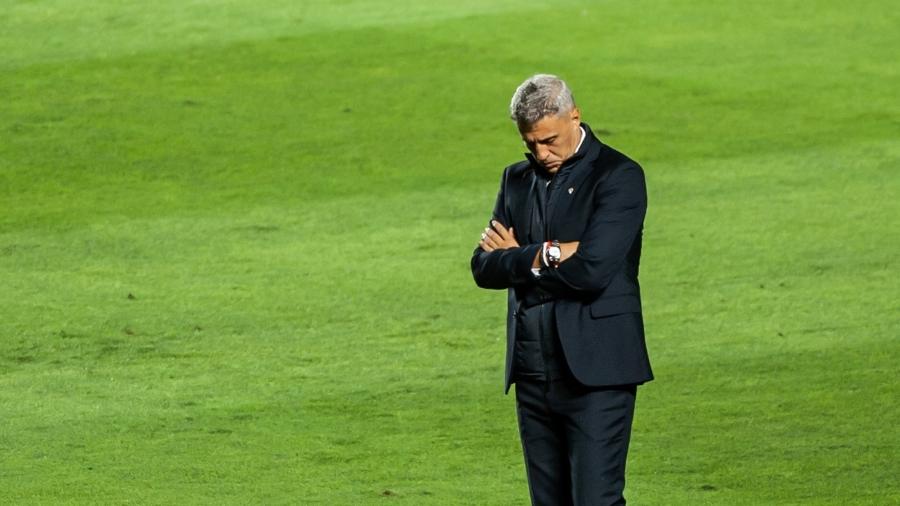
point(540, 95)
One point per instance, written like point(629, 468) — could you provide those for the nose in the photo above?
point(542, 153)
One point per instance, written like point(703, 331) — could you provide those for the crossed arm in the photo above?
point(498, 237)
point(588, 264)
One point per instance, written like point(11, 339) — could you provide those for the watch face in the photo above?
point(554, 252)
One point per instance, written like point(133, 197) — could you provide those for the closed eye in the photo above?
point(549, 141)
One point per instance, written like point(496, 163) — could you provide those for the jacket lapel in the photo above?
point(531, 209)
point(566, 185)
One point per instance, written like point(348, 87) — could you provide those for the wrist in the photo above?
point(551, 254)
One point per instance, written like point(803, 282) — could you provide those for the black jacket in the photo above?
point(601, 203)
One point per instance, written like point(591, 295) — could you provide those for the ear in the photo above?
point(575, 115)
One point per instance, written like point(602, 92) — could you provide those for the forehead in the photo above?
point(544, 128)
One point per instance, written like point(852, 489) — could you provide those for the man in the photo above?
point(565, 240)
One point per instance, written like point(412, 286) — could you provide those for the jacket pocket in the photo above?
point(608, 306)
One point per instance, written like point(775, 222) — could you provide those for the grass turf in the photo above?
point(234, 243)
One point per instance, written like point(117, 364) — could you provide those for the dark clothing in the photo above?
point(599, 198)
point(575, 441)
point(537, 355)
point(563, 422)
point(575, 335)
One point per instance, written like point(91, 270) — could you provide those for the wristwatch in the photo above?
point(552, 254)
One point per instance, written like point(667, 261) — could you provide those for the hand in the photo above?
point(566, 250)
point(497, 237)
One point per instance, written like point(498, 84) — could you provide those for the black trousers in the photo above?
point(575, 441)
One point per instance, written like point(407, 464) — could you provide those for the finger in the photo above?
point(488, 232)
point(492, 234)
point(500, 243)
point(486, 247)
point(501, 230)
point(492, 241)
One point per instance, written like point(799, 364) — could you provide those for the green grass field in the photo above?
point(234, 245)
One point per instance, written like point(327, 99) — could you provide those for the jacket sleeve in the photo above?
point(506, 268)
point(614, 224)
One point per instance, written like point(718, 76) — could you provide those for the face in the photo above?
point(553, 139)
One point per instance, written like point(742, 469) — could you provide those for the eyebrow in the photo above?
point(545, 140)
